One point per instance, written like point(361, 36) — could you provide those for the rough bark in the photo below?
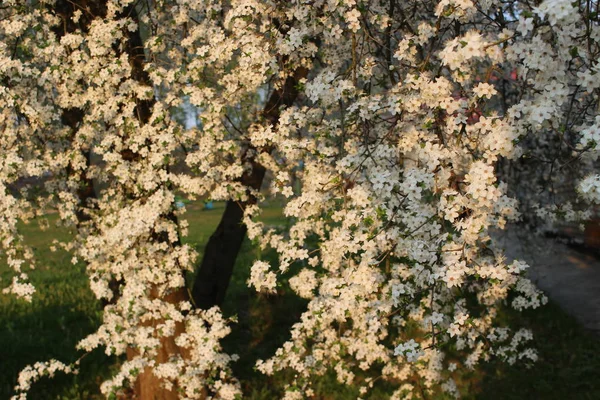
point(214, 273)
point(147, 386)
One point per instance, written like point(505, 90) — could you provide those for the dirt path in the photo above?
point(569, 277)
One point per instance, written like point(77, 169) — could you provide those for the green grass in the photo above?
point(64, 311)
point(568, 365)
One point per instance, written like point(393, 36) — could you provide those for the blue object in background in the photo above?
point(208, 205)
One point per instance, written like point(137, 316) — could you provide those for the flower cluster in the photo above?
point(400, 125)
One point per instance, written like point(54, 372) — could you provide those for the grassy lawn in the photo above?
point(64, 311)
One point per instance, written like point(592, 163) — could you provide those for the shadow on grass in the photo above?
point(568, 366)
point(63, 311)
point(51, 333)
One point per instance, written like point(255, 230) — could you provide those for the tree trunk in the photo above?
point(147, 386)
point(214, 273)
point(221, 251)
